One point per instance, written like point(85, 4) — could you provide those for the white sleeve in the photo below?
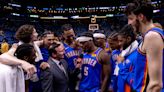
point(38, 53)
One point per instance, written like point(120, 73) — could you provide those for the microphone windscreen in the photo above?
point(81, 56)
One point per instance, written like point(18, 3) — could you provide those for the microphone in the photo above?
point(79, 58)
point(79, 62)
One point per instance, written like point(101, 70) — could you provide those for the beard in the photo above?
point(138, 27)
point(70, 40)
point(97, 44)
point(125, 45)
point(87, 49)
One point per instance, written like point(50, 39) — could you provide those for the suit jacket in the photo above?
point(53, 79)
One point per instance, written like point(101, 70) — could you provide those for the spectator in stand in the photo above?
point(4, 45)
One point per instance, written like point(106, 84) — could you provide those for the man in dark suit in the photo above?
point(55, 78)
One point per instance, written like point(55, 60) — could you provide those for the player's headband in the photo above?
point(99, 35)
point(84, 39)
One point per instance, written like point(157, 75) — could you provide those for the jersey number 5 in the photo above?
point(86, 71)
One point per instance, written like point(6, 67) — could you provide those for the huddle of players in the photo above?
point(130, 64)
point(114, 63)
point(99, 70)
point(117, 63)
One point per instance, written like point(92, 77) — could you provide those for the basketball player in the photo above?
point(149, 56)
point(95, 66)
point(71, 54)
point(48, 39)
point(25, 34)
point(116, 50)
point(130, 44)
point(100, 40)
point(12, 77)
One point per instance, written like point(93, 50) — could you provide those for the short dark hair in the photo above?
point(24, 50)
point(52, 48)
point(128, 30)
point(24, 33)
point(113, 35)
point(146, 9)
point(66, 27)
point(47, 32)
point(130, 7)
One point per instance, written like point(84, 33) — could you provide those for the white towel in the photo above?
point(39, 54)
point(133, 46)
point(116, 70)
point(11, 79)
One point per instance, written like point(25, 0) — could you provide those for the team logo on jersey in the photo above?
point(89, 61)
point(114, 57)
point(93, 55)
point(107, 49)
point(72, 53)
point(127, 61)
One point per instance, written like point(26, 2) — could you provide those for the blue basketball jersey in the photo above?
point(70, 56)
point(91, 73)
point(113, 59)
point(125, 73)
point(107, 48)
point(113, 85)
point(138, 77)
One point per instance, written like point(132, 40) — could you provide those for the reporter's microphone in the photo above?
point(80, 58)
